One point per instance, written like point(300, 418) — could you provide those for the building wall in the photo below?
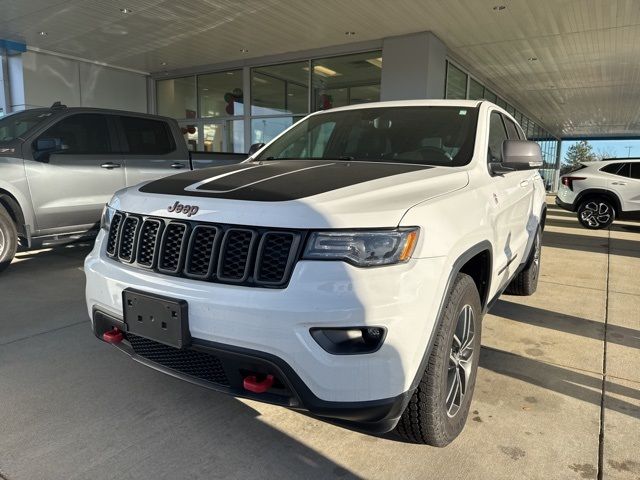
point(38, 79)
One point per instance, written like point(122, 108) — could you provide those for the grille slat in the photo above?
point(237, 247)
point(148, 242)
point(189, 362)
point(200, 257)
point(250, 256)
point(172, 248)
point(275, 256)
point(128, 238)
point(114, 232)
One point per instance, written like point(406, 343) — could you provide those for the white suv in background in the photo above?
point(602, 191)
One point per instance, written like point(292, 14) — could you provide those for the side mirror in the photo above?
point(255, 147)
point(46, 146)
point(518, 155)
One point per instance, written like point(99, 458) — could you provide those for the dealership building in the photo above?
point(232, 83)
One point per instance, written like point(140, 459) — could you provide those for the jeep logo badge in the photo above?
point(188, 210)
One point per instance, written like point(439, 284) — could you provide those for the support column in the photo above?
point(5, 92)
point(414, 67)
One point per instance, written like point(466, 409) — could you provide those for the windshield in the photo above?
point(441, 136)
point(18, 124)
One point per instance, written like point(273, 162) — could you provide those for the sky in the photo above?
point(617, 148)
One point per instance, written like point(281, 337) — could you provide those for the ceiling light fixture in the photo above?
point(349, 34)
point(323, 71)
point(499, 8)
point(244, 50)
point(164, 64)
point(43, 34)
point(376, 62)
point(126, 10)
point(532, 59)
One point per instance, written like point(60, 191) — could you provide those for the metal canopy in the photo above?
point(571, 63)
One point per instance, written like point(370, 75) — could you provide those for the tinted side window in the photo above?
point(85, 133)
point(622, 169)
point(635, 170)
point(512, 130)
point(147, 137)
point(497, 135)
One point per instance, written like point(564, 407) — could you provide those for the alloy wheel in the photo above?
point(460, 361)
point(596, 214)
point(2, 243)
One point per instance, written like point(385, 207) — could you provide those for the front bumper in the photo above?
point(404, 299)
point(232, 363)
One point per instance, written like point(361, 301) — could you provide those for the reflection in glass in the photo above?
point(456, 83)
point(235, 136)
point(213, 137)
point(346, 80)
point(280, 89)
point(190, 134)
point(476, 90)
point(489, 95)
point(220, 94)
point(264, 130)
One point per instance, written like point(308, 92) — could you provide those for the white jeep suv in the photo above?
point(602, 191)
point(344, 269)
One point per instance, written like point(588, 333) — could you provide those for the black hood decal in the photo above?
point(275, 181)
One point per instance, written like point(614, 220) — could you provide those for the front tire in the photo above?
point(438, 409)
point(8, 239)
point(596, 213)
point(526, 281)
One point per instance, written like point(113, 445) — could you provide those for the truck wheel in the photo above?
point(596, 213)
point(438, 409)
point(526, 282)
point(8, 239)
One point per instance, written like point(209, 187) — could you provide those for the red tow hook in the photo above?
point(252, 384)
point(113, 336)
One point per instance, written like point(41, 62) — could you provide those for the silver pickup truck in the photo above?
point(59, 166)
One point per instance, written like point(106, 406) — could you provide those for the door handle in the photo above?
point(177, 165)
point(524, 183)
point(618, 183)
point(110, 165)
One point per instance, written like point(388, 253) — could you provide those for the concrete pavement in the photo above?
point(557, 397)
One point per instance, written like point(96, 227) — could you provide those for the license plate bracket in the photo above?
point(162, 319)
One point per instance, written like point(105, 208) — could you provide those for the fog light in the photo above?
point(349, 340)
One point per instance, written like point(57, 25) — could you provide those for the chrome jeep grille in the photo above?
point(221, 253)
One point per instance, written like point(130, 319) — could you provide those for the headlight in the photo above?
point(107, 215)
point(366, 248)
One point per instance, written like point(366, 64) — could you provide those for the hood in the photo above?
point(296, 193)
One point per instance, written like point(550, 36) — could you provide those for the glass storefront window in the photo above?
point(176, 98)
point(280, 89)
point(235, 136)
point(220, 94)
point(489, 95)
point(456, 83)
point(213, 137)
point(476, 90)
point(339, 81)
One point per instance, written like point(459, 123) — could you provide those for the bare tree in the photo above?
point(604, 153)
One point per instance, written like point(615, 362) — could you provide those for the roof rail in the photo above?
point(58, 106)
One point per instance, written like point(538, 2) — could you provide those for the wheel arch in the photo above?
point(600, 192)
point(479, 256)
point(12, 206)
